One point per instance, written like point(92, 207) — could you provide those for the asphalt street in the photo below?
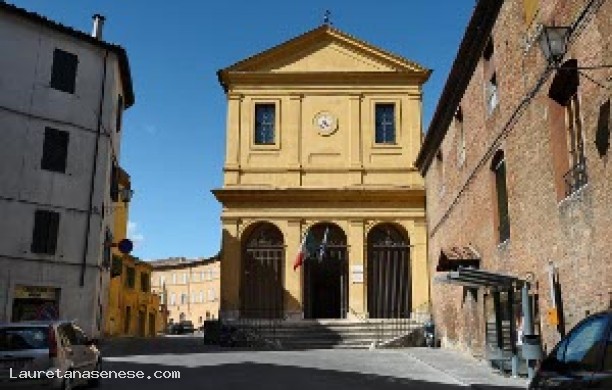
point(202, 367)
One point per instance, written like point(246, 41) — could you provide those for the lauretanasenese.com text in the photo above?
point(102, 374)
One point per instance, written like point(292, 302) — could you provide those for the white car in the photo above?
point(46, 347)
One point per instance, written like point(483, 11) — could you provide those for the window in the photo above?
point(265, 117)
point(184, 299)
point(173, 278)
point(498, 167)
point(202, 275)
point(576, 177)
point(440, 173)
point(44, 236)
point(173, 299)
point(120, 107)
point(130, 279)
point(117, 266)
point(583, 347)
point(492, 96)
point(567, 138)
point(201, 296)
point(55, 150)
point(114, 183)
point(385, 123)
point(194, 277)
point(63, 72)
point(460, 137)
point(607, 366)
point(185, 278)
point(145, 282)
point(162, 281)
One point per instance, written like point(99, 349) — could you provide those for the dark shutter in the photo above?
point(44, 236)
point(114, 184)
point(602, 136)
point(565, 84)
point(63, 73)
point(55, 150)
point(119, 113)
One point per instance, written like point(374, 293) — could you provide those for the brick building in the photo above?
point(517, 175)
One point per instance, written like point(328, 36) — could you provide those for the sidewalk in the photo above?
point(464, 368)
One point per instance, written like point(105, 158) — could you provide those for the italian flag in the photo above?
point(304, 250)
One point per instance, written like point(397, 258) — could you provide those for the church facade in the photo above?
point(322, 134)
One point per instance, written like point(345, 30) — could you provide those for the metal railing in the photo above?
point(255, 328)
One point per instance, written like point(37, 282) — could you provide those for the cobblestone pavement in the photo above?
point(212, 367)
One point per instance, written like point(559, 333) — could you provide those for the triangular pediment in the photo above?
point(325, 49)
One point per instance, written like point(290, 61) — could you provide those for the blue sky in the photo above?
point(174, 136)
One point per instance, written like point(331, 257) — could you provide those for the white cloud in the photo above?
point(134, 233)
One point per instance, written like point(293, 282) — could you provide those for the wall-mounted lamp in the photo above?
point(553, 43)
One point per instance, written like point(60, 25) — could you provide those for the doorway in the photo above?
point(326, 275)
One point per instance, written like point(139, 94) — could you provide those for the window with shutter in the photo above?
point(385, 123)
point(63, 72)
point(119, 113)
point(55, 150)
point(114, 184)
point(44, 236)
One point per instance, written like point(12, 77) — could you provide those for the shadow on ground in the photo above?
point(248, 375)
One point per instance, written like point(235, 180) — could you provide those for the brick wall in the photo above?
point(573, 233)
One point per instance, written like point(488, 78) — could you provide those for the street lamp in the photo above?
point(553, 43)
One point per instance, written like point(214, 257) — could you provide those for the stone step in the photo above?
point(325, 334)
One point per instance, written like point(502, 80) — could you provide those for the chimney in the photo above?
point(98, 24)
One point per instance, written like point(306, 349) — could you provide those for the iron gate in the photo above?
point(262, 281)
point(388, 273)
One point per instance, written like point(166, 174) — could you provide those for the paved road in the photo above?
point(202, 367)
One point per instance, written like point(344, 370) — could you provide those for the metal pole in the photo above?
point(527, 323)
point(512, 333)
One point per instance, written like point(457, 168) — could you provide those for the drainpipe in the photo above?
point(527, 324)
point(94, 170)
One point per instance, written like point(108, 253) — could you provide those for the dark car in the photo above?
point(582, 359)
point(181, 328)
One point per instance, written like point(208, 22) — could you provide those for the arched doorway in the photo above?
point(263, 258)
point(388, 273)
point(326, 275)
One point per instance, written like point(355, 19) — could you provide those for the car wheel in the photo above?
point(95, 382)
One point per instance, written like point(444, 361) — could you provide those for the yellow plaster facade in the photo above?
point(309, 175)
point(189, 288)
point(133, 309)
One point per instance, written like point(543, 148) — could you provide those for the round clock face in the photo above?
point(325, 122)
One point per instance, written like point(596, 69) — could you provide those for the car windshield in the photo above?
point(22, 338)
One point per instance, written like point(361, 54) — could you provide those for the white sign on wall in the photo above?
point(357, 273)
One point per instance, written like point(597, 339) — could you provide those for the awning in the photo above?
point(470, 277)
point(453, 258)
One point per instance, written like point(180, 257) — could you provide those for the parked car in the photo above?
point(181, 327)
point(186, 327)
point(46, 346)
point(582, 359)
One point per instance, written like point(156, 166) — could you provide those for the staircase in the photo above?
point(325, 334)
